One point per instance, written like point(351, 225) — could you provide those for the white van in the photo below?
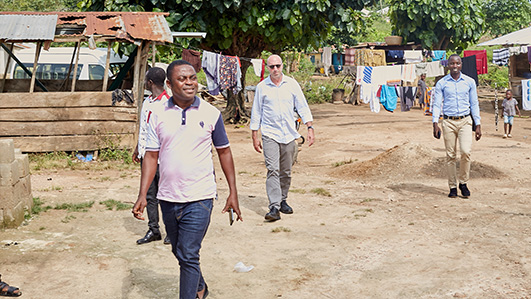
point(54, 64)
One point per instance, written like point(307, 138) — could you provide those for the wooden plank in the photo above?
point(22, 85)
point(53, 128)
point(59, 99)
point(73, 113)
point(71, 143)
point(107, 64)
point(74, 78)
point(37, 53)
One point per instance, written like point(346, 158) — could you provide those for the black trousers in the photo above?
point(153, 204)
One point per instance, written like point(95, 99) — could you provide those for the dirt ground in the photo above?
point(372, 220)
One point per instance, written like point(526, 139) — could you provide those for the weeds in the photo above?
point(68, 218)
point(368, 200)
point(77, 207)
point(341, 163)
point(110, 150)
point(111, 204)
point(281, 229)
point(321, 191)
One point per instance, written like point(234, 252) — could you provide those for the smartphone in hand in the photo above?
point(231, 216)
point(439, 134)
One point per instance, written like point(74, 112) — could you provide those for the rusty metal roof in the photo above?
point(130, 26)
point(27, 27)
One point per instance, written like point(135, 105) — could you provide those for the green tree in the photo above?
point(506, 16)
point(38, 5)
point(438, 24)
point(246, 28)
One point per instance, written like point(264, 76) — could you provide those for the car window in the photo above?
point(96, 72)
point(47, 71)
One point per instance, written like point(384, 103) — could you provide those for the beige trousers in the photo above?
point(461, 130)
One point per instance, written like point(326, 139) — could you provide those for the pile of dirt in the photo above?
point(409, 161)
point(397, 163)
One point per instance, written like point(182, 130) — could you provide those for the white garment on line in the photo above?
point(434, 69)
point(327, 59)
point(412, 56)
point(379, 75)
point(409, 72)
point(257, 66)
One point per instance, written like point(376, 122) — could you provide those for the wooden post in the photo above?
point(6, 68)
point(34, 73)
point(107, 63)
point(154, 53)
point(74, 79)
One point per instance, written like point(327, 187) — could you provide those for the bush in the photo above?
point(497, 74)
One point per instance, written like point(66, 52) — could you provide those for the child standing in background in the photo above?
point(510, 107)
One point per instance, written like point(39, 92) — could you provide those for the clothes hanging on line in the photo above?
point(397, 54)
point(434, 69)
point(409, 72)
point(469, 67)
point(210, 64)
point(349, 57)
point(364, 75)
point(259, 67)
point(518, 50)
point(230, 74)
point(439, 55)
point(421, 68)
point(526, 94)
point(407, 97)
point(194, 57)
point(529, 54)
point(388, 98)
point(413, 56)
point(481, 59)
point(500, 56)
point(427, 100)
point(444, 62)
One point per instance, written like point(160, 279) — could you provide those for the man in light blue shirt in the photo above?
point(273, 112)
point(456, 96)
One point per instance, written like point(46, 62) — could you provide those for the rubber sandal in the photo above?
point(9, 291)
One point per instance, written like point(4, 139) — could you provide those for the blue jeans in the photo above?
point(186, 225)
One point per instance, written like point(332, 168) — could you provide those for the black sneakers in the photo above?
point(464, 190)
point(453, 193)
point(273, 215)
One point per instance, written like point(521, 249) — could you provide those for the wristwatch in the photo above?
point(310, 127)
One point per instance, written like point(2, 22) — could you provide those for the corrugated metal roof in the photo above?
point(129, 26)
point(520, 37)
point(27, 27)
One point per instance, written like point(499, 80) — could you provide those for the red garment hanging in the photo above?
point(481, 59)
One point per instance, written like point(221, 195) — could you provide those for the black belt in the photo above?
point(455, 117)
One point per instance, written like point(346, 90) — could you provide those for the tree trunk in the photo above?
point(235, 111)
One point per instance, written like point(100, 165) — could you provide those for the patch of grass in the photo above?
point(104, 179)
point(328, 182)
point(411, 223)
point(281, 229)
point(110, 150)
point(123, 175)
point(127, 187)
point(357, 216)
point(75, 207)
point(368, 200)
point(341, 163)
point(38, 206)
point(321, 191)
point(369, 210)
point(111, 204)
point(300, 191)
point(42, 228)
point(242, 172)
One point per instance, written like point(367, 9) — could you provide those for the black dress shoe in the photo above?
point(167, 240)
point(285, 208)
point(149, 237)
point(464, 190)
point(273, 215)
point(453, 193)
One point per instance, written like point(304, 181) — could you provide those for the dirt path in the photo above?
point(387, 230)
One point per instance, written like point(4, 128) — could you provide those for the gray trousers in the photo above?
point(153, 204)
point(278, 161)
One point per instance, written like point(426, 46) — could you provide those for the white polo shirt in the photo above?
point(184, 139)
point(144, 117)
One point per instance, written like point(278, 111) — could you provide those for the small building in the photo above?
point(71, 114)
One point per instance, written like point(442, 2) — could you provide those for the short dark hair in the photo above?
point(156, 75)
point(454, 55)
point(174, 64)
point(508, 90)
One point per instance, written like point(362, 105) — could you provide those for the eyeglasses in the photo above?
point(275, 66)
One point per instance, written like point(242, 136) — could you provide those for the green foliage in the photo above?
point(38, 5)
point(111, 204)
point(506, 16)
point(497, 74)
point(75, 207)
point(438, 24)
point(321, 191)
point(37, 208)
point(110, 150)
point(379, 29)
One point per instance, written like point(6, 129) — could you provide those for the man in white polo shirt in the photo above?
point(180, 135)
